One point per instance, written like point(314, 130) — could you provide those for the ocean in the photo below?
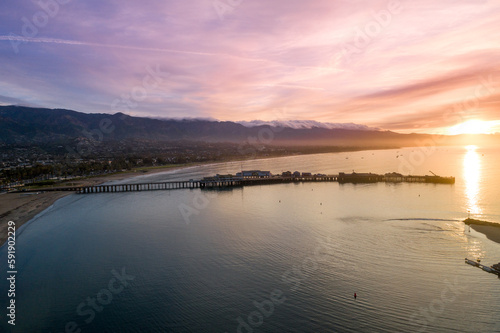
point(271, 258)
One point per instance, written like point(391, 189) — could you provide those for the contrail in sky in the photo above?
point(126, 47)
point(23, 39)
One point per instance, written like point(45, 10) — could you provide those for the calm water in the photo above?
point(195, 261)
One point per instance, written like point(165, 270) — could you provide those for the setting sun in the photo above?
point(472, 127)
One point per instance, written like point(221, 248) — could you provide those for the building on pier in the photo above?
point(359, 178)
point(254, 174)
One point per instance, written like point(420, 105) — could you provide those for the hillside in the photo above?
point(25, 125)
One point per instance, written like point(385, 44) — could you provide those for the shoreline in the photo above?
point(22, 207)
point(490, 229)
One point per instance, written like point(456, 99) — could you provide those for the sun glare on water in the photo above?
point(472, 127)
point(472, 174)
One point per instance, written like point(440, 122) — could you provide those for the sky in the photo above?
point(406, 66)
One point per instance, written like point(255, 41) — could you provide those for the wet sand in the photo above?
point(490, 229)
point(22, 207)
point(491, 232)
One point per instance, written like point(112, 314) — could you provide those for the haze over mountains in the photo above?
point(303, 124)
point(25, 125)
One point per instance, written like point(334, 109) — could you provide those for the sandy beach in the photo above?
point(22, 207)
point(491, 232)
point(490, 229)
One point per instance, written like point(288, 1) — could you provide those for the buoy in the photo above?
point(355, 296)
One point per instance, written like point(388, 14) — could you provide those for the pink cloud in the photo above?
point(262, 60)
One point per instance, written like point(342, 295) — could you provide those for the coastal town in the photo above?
point(42, 165)
point(250, 166)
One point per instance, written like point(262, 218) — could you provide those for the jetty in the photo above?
point(494, 269)
point(470, 221)
point(250, 178)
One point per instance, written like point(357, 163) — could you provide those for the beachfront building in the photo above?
point(254, 174)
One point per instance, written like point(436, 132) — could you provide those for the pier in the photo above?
point(231, 182)
point(251, 178)
point(392, 178)
point(207, 183)
point(139, 187)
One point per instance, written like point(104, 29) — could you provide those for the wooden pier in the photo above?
point(230, 182)
point(190, 184)
point(139, 187)
point(392, 178)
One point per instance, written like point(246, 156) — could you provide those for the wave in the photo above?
point(423, 219)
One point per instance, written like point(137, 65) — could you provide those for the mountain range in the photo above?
point(27, 125)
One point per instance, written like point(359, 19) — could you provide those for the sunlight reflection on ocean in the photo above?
point(400, 247)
